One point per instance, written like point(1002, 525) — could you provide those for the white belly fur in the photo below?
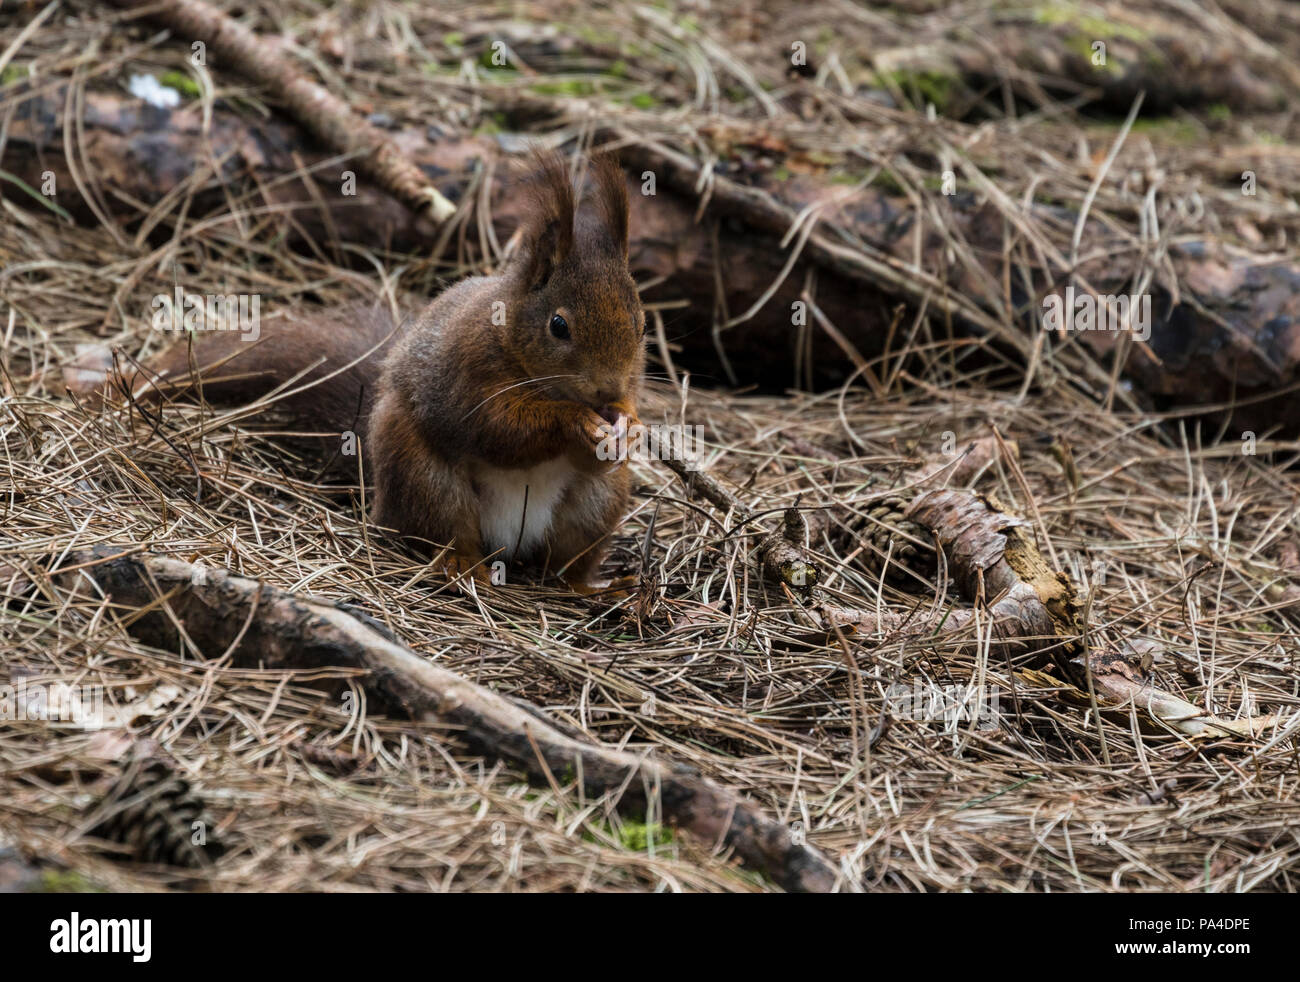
point(506, 522)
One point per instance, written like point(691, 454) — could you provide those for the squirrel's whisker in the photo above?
point(505, 389)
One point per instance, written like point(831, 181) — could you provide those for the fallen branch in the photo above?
point(1022, 602)
point(324, 114)
point(782, 554)
point(269, 628)
point(993, 555)
point(1215, 345)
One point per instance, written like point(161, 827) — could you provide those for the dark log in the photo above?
point(1235, 333)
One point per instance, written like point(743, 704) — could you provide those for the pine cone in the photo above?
point(886, 522)
point(152, 810)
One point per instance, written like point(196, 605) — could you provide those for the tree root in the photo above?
point(267, 627)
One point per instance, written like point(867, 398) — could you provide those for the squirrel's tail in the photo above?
point(320, 371)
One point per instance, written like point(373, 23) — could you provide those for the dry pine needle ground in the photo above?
point(1179, 536)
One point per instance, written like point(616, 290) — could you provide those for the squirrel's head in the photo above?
point(575, 319)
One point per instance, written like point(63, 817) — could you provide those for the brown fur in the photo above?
point(510, 395)
point(465, 400)
point(335, 358)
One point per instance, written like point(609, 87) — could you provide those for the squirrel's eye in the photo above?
point(559, 327)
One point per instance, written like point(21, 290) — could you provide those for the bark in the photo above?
point(1235, 331)
point(1028, 605)
point(1024, 604)
point(324, 115)
point(1044, 62)
point(261, 626)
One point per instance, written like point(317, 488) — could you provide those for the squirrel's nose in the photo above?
point(604, 396)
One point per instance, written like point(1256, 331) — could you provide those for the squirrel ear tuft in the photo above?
point(611, 196)
point(548, 230)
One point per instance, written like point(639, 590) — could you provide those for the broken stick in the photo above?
point(324, 114)
point(270, 628)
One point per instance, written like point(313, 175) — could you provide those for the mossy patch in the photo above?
point(632, 835)
point(567, 87)
point(637, 836)
point(1081, 45)
point(13, 73)
point(487, 64)
point(922, 85)
point(64, 881)
point(1169, 130)
point(1084, 24)
point(493, 124)
point(181, 82)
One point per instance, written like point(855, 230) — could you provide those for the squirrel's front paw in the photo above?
point(621, 413)
point(591, 429)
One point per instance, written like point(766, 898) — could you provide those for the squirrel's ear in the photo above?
point(548, 231)
point(611, 196)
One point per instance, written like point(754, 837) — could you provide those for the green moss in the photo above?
point(631, 835)
point(1169, 130)
point(181, 82)
point(644, 100)
point(845, 178)
point(569, 87)
point(1081, 46)
point(493, 124)
point(1218, 113)
point(1096, 28)
point(637, 836)
point(888, 183)
point(618, 69)
point(485, 63)
point(64, 881)
point(922, 86)
point(13, 73)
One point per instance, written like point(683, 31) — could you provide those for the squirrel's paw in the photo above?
point(622, 414)
point(592, 429)
point(459, 567)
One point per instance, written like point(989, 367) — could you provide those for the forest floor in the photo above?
point(938, 762)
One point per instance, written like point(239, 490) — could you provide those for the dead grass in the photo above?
point(1180, 536)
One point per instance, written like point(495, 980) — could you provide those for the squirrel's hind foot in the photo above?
point(459, 567)
point(615, 589)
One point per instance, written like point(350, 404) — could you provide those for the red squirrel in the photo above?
point(483, 421)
